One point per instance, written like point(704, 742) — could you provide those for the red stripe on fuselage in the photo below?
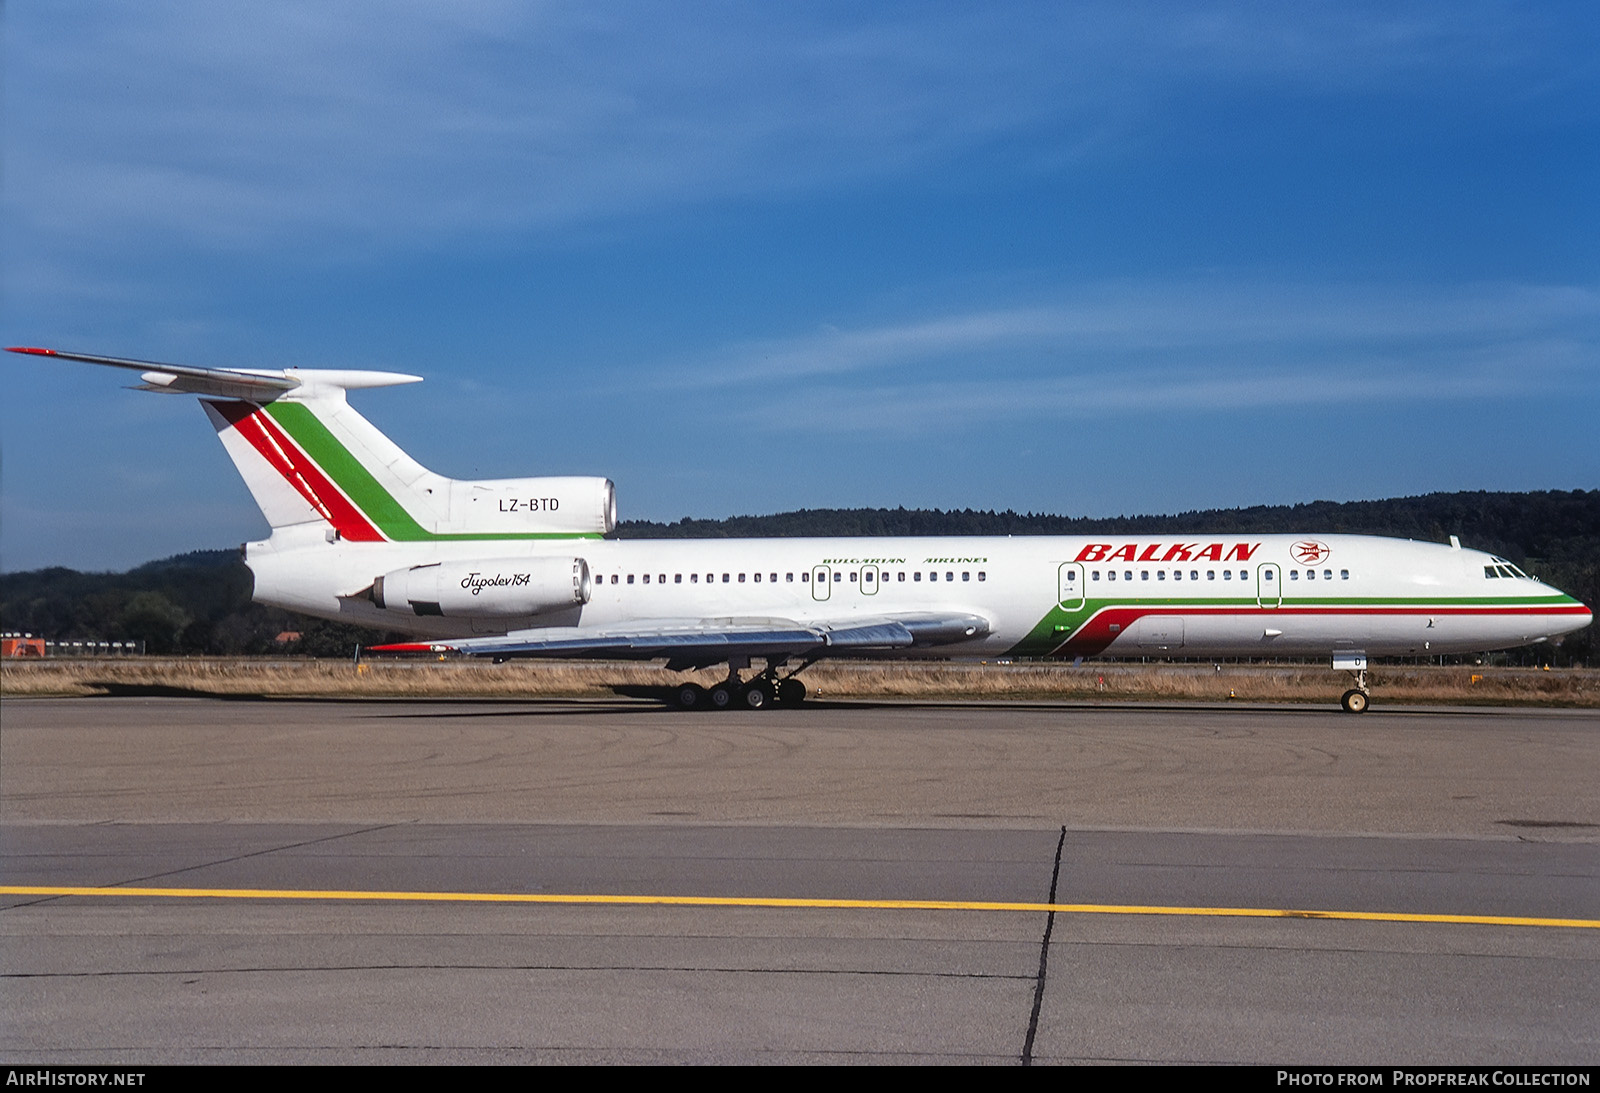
point(1094, 636)
point(252, 423)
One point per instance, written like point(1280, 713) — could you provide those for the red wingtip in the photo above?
point(33, 349)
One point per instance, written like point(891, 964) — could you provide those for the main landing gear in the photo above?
point(1357, 698)
point(759, 693)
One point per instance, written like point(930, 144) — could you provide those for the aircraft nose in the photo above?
point(1582, 616)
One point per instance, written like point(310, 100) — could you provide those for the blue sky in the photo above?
point(745, 258)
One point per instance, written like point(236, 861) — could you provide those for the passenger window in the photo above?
point(1095, 576)
point(1177, 574)
point(949, 576)
point(917, 576)
point(1111, 574)
point(966, 576)
point(1211, 574)
point(774, 577)
point(630, 578)
point(758, 578)
point(867, 577)
point(741, 578)
point(1267, 575)
point(1294, 574)
point(1127, 574)
point(661, 578)
point(902, 577)
point(1161, 574)
point(1144, 574)
point(1344, 574)
point(725, 577)
point(694, 578)
point(1227, 574)
point(677, 578)
point(982, 576)
point(788, 578)
point(613, 578)
point(805, 578)
point(852, 575)
point(1327, 574)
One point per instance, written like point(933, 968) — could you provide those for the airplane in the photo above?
point(521, 567)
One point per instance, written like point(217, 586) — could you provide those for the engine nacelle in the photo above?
point(490, 588)
point(547, 506)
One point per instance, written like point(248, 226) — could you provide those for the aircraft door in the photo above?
point(1160, 632)
point(1069, 581)
point(869, 580)
point(1269, 585)
point(821, 582)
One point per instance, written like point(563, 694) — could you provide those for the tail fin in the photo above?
point(286, 479)
point(308, 457)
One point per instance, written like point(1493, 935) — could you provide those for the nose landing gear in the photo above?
point(1357, 698)
point(1354, 701)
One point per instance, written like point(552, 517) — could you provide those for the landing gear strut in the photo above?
point(1357, 698)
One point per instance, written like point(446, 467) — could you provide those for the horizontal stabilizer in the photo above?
point(251, 384)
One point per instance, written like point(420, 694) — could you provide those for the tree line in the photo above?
point(199, 603)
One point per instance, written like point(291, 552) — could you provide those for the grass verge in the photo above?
point(242, 677)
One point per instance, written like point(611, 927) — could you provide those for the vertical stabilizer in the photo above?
point(312, 457)
point(309, 458)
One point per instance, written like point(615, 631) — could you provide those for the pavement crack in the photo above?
point(1044, 955)
point(252, 854)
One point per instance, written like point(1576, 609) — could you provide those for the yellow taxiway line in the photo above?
point(802, 904)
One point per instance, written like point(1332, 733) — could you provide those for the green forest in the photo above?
point(199, 603)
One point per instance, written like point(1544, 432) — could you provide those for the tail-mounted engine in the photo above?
point(576, 506)
point(491, 588)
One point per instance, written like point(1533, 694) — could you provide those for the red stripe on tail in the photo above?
point(296, 467)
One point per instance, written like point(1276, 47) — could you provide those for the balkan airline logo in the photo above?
point(1167, 552)
point(1310, 552)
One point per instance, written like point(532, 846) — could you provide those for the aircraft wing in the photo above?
point(691, 643)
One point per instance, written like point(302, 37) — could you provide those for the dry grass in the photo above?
point(479, 679)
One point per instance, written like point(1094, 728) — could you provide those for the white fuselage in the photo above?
point(1193, 595)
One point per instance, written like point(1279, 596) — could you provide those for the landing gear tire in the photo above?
point(690, 696)
point(1354, 701)
point(721, 697)
point(791, 692)
point(758, 696)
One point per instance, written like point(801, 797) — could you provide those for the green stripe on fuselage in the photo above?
point(1060, 623)
point(381, 507)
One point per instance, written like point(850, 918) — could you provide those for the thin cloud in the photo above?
point(1262, 327)
point(941, 406)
